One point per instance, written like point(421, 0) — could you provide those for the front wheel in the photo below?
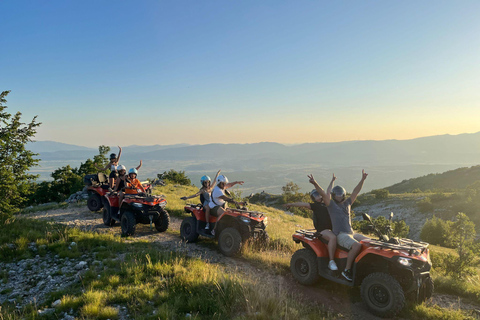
point(230, 241)
point(188, 229)
point(128, 223)
point(304, 267)
point(383, 294)
point(107, 218)
point(94, 202)
point(162, 222)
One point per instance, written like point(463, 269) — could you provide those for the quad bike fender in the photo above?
point(199, 214)
point(315, 245)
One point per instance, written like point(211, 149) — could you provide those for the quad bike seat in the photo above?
point(314, 234)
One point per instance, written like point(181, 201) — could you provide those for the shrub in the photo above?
point(381, 193)
point(436, 231)
point(425, 205)
point(175, 177)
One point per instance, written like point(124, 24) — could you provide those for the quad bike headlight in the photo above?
point(246, 220)
point(137, 205)
point(405, 262)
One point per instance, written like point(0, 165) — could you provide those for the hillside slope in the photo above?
point(454, 179)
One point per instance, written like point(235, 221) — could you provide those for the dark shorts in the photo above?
point(214, 210)
point(113, 175)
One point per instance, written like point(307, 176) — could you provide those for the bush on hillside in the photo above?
point(399, 228)
point(175, 177)
point(425, 205)
point(380, 193)
point(436, 231)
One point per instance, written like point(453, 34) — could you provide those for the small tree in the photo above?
point(436, 231)
point(175, 177)
point(381, 193)
point(462, 237)
point(15, 159)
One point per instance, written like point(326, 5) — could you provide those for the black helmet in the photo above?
point(313, 194)
point(339, 192)
point(113, 156)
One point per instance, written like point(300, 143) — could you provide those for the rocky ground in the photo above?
point(33, 279)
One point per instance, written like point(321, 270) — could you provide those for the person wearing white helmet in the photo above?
point(218, 199)
point(204, 193)
point(133, 185)
point(321, 221)
point(340, 214)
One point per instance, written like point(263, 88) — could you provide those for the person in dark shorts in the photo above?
point(112, 165)
point(321, 221)
point(218, 199)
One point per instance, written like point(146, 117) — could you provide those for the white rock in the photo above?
point(81, 265)
point(56, 303)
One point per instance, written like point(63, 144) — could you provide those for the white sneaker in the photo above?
point(207, 227)
point(332, 265)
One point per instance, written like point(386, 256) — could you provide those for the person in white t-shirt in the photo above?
point(218, 199)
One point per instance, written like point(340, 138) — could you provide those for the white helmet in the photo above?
point(121, 167)
point(222, 178)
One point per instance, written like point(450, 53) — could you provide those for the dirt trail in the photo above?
point(341, 300)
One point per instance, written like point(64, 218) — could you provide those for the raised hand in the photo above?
point(334, 178)
point(311, 179)
point(364, 175)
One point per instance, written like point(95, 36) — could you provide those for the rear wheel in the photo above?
point(230, 241)
point(304, 266)
point(107, 218)
point(188, 229)
point(128, 223)
point(162, 222)
point(94, 202)
point(383, 294)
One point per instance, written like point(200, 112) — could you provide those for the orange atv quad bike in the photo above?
point(232, 230)
point(388, 270)
point(97, 187)
point(142, 208)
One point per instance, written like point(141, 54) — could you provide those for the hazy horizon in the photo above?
point(241, 72)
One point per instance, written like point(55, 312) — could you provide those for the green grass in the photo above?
point(150, 283)
point(154, 284)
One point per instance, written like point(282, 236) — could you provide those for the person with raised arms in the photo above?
point(321, 220)
point(339, 207)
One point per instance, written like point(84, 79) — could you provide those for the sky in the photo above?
point(166, 72)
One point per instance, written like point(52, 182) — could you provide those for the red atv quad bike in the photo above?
point(233, 229)
point(140, 208)
point(97, 187)
point(388, 270)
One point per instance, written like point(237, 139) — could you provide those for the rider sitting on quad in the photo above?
point(204, 193)
point(219, 199)
point(120, 183)
point(340, 214)
point(112, 165)
point(321, 220)
point(132, 183)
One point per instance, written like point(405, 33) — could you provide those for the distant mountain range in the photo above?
point(270, 165)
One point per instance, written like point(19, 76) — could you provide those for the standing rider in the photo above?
point(112, 165)
point(340, 213)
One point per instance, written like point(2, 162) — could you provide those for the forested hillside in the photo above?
point(447, 181)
